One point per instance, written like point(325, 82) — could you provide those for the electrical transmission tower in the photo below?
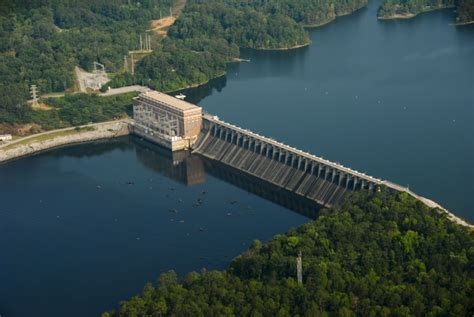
point(99, 68)
point(299, 268)
point(34, 94)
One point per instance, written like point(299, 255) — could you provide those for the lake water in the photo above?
point(394, 99)
point(84, 227)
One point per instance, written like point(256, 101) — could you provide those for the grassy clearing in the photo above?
point(48, 136)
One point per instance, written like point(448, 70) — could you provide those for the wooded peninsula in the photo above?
point(377, 254)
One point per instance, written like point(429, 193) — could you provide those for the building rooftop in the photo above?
point(170, 101)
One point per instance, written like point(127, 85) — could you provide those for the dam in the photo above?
point(288, 168)
point(179, 125)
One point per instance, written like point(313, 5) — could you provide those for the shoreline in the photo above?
point(283, 48)
point(431, 204)
point(314, 26)
point(70, 136)
point(405, 16)
point(463, 23)
point(196, 85)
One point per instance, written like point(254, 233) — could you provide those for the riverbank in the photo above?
point(38, 143)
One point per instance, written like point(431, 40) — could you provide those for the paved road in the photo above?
point(111, 92)
point(123, 90)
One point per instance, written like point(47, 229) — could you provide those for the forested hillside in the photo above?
point(465, 11)
point(409, 8)
point(209, 33)
point(378, 254)
point(41, 41)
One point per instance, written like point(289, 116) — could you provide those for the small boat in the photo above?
point(180, 96)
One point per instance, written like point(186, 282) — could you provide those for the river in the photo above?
point(84, 227)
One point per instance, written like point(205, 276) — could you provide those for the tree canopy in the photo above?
point(393, 8)
point(41, 41)
point(378, 254)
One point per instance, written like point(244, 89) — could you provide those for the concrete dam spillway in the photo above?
point(280, 165)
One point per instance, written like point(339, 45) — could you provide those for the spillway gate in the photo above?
point(281, 165)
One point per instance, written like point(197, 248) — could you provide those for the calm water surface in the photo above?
point(394, 99)
point(82, 228)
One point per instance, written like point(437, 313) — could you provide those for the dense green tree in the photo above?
point(465, 11)
point(394, 8)
point(378, 254)
point(41, 41)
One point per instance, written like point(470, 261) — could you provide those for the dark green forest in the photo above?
point(41, 41)
point(465, 11)
point(378, 254)
point(80, 109)
point(209, 33)
point(464, 8)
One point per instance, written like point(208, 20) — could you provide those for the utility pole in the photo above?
point(299, 268)
point(125, 63)
point(141, 43)
point(171, 12)
point(133, 65)
point(34, 94)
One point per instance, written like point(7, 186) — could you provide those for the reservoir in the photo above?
point(394, 99)
point(84, 227)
